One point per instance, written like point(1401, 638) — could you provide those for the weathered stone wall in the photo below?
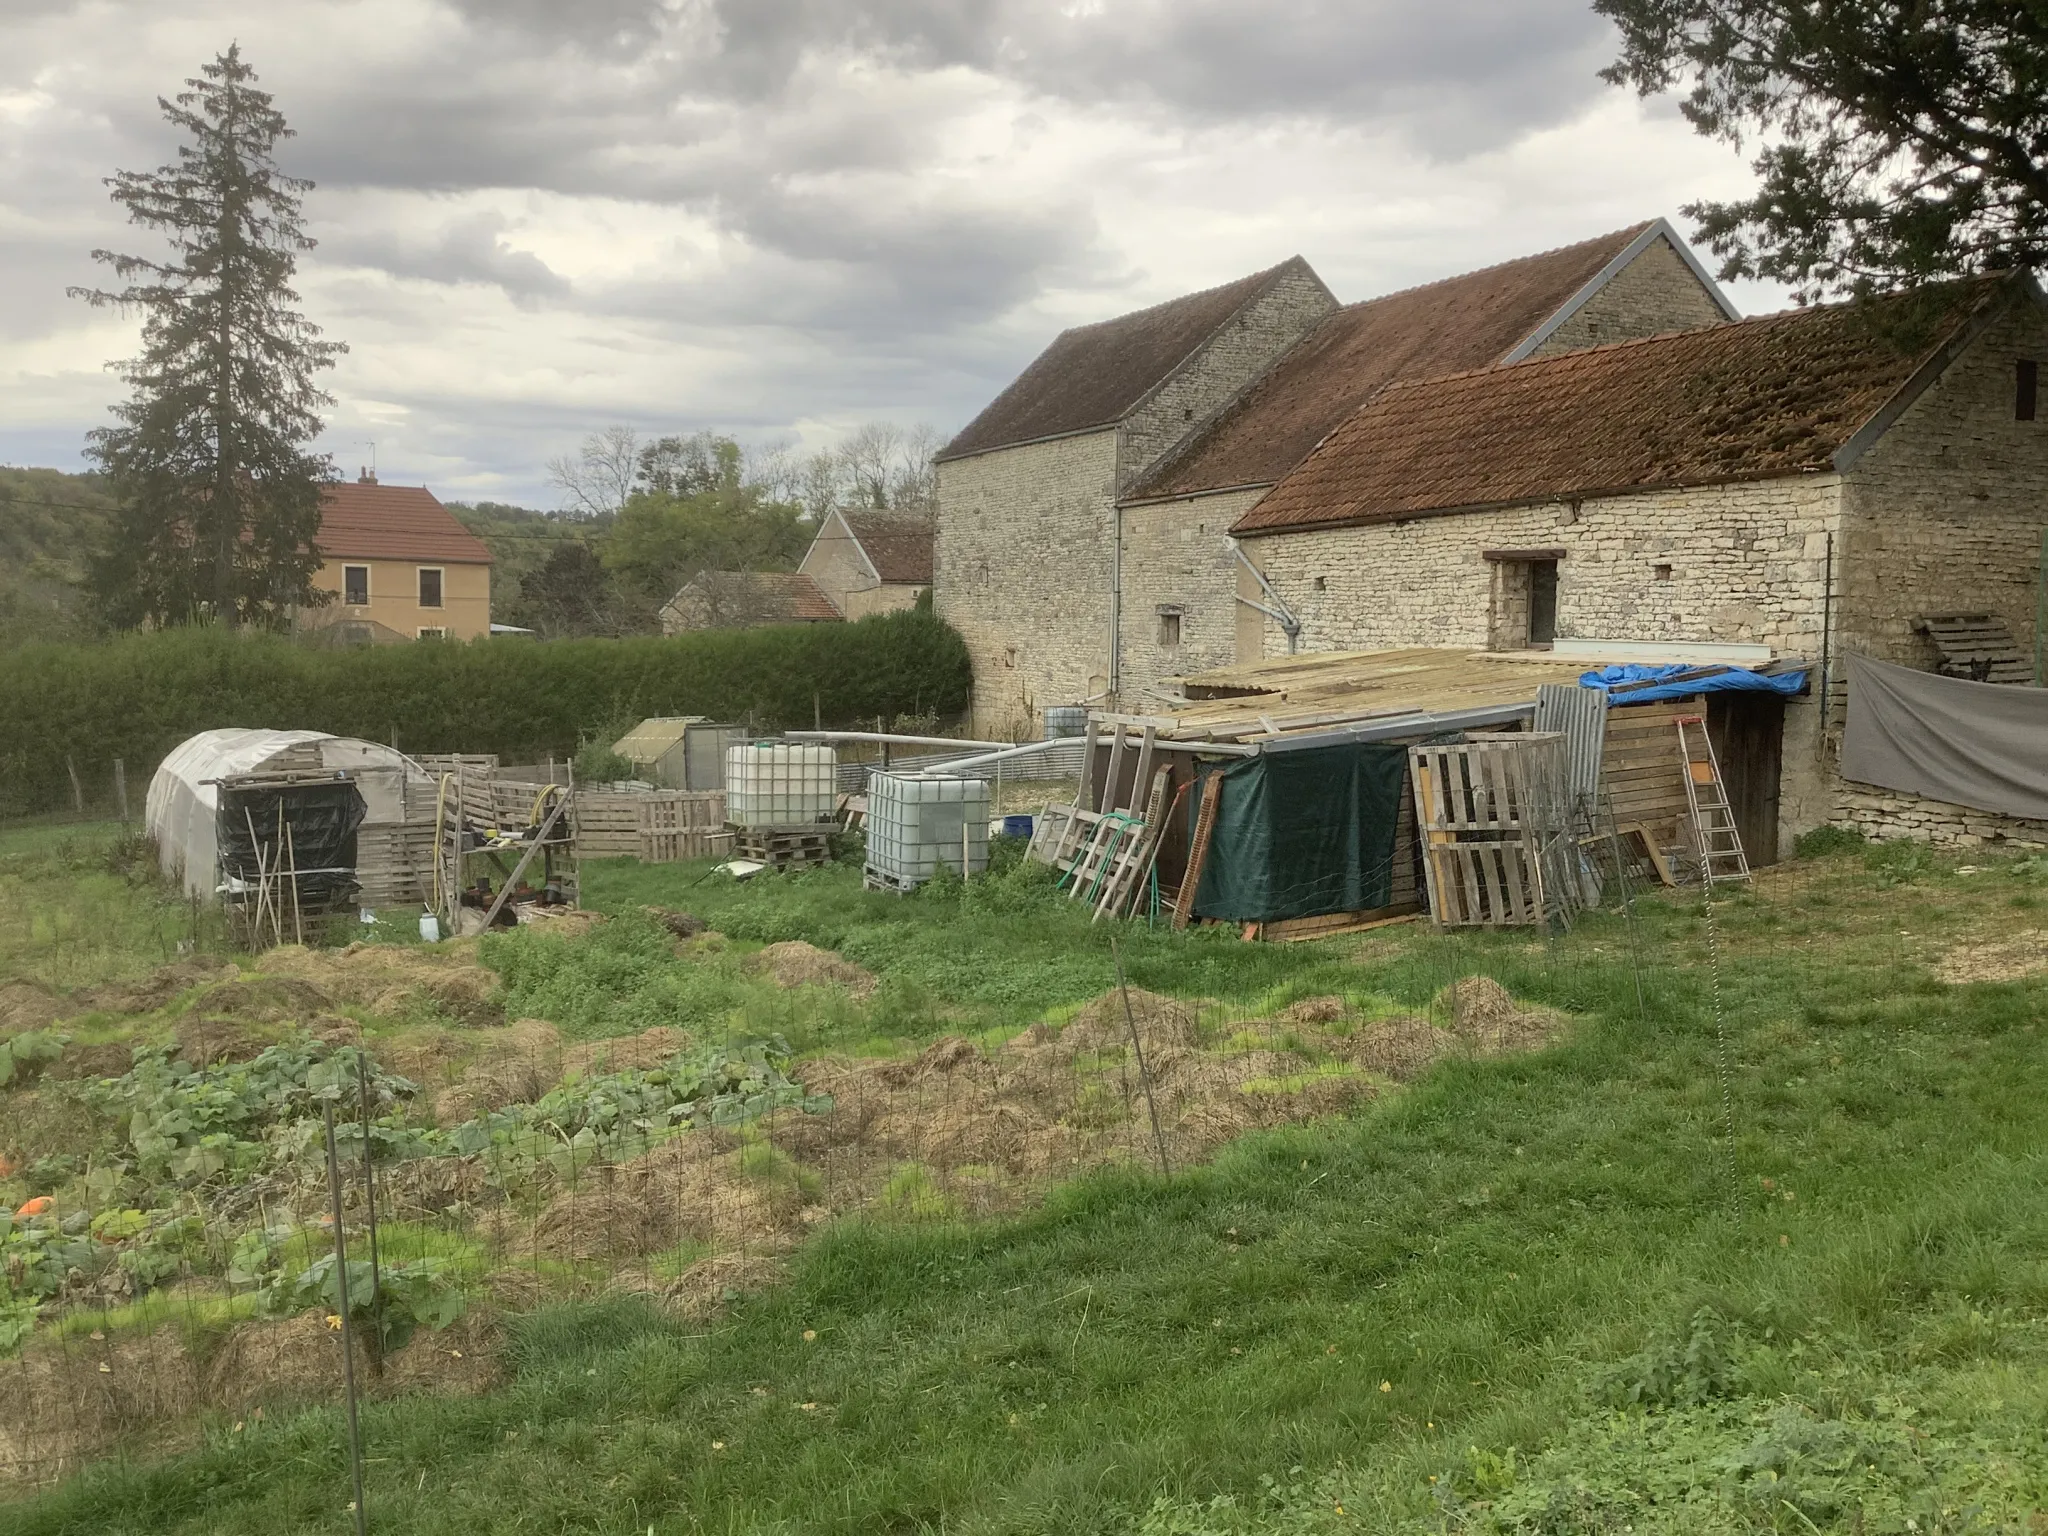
point(1737, 562)
point(1219, 370)
point(1882, 815)
point(835, 563)
point(1175, 556)
point(886, 598)
point(1945, 513)
point(1656, 292)
point(1023, 572)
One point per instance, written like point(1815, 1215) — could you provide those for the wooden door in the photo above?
point(1749, 739)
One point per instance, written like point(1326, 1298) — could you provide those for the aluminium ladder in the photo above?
point(1713, 819)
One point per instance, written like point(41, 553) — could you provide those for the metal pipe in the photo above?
point(348, 1337)
point(1827, 615)
point(891, 739)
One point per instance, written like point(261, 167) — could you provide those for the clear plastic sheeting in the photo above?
point(184, 796)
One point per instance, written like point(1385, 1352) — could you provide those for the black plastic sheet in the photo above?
point(323, 819)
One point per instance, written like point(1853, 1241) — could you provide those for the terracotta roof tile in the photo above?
point(1778, 395)
point(1451, 326)
point(899, 547)
point(393, 522)
point(779, 597)
point(1092, 375)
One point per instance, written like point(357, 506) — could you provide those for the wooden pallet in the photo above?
point(1977, 646)
point(785, 847)
point(1495, 814)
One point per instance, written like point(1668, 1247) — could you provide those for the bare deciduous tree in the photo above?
point(598, 481)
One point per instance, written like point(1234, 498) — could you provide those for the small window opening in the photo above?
point(430, 586)
point(355, 585)
point(2026, 390)
point(1187, 413)
point(1663, 573)
point(1169, 627)
point(1321, 583)
point(1010, 656)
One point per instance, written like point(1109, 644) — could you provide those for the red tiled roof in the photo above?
point(775, 597)
point(393, 522)
point(1755, 399)
point(1092, 375)
point(899, 548)
point(1451, 326)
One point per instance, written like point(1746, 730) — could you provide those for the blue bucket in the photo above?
point(1016, 826)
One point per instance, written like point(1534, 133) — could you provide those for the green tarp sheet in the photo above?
point(1299, 834)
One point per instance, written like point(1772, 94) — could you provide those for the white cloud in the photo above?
point(781, 217)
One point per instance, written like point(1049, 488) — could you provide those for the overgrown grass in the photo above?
point(1422, 1315)
point(84, 906)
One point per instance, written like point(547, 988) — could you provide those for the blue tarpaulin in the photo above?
point(1733, 680)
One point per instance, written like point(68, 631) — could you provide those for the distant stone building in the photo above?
point(1083, 516)
point(742, 599)
point(1820, 481)
point(859, 563)
point(870, 562)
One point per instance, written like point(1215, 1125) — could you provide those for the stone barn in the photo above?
point(1846, 478)
point(1083, 516)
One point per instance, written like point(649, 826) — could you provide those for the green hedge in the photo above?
point(137, 696)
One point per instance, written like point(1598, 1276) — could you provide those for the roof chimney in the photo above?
point(366, 477)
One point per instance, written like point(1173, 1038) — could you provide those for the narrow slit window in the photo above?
point(430, 586)
point(355, 585)
point(2026, 389)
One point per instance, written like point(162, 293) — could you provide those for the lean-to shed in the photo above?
point(679, 751)
point(393, 844)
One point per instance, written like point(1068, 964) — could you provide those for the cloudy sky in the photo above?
point(781, 218)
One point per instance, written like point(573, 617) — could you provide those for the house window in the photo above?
point(355, 585)
point(430, 586)
point(433, 632)
point(2026, 386)
point(1169, 626)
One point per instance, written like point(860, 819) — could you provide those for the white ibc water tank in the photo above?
point(780, 783)
point(1063, 720)
point(915, 821)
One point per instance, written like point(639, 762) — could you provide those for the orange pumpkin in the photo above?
point(42, 1205)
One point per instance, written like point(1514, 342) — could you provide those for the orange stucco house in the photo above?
point(399, 565)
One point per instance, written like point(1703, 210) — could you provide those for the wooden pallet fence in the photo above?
point(1495, 818)
point(684, 825)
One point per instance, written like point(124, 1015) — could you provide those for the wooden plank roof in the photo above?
point(1330, 689)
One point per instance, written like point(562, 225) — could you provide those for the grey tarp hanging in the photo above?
point(1302, 833)
point(1983, 745)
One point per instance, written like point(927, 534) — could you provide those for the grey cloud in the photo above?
point(471, 250)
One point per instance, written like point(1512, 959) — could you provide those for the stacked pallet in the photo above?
point(798, 845)
point(1640, 779)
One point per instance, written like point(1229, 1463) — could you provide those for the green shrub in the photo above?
point(137, 696)
point(1822, 841)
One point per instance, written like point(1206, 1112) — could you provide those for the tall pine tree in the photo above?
point(220, 497)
